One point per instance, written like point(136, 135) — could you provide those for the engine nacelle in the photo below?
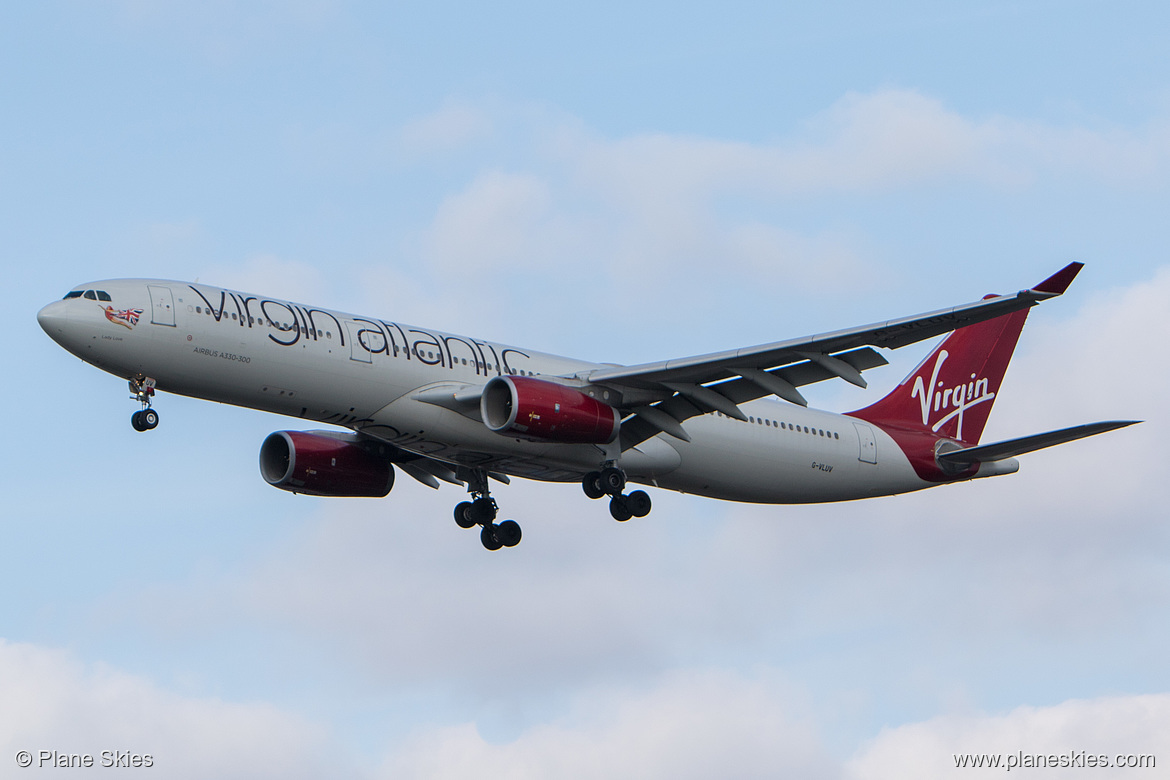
point(323, 463)
point(529, 408)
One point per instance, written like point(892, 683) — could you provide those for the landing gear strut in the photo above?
point(145, 419)
point(482, 510)
point(611, 481)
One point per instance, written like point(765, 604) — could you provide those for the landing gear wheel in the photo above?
point(489, 538)
point(508, 533)
point(463, 514)
point(592, 486)
point(136, 422)
point(638, 503)
point(619, 507)
point(613, 481)
point(149, 419)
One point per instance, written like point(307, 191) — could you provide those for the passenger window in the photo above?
point(72, 294)
point(90, 296)
point(104, 296)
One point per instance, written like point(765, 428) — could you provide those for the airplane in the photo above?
point(729, 425)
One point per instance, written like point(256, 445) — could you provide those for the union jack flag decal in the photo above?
point(127, 318)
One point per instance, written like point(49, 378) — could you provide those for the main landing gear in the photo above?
point(481, 510)
point(611, 481)
point(146, 419)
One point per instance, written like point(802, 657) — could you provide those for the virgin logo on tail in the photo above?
point(951, 401)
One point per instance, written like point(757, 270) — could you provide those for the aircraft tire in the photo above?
point(136, 421)
point(463, 514)
point(489, 538)
point(508, 533)
point(619, 507)
point(149, 418)
point(592, 486)
point(639, 503)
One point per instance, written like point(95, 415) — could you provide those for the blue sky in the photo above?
point(620, 184)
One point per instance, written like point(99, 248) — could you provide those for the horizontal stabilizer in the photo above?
point(1012, 447)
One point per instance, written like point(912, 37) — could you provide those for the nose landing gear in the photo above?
point(611, 481)
point(482, 510)
point(145, 419)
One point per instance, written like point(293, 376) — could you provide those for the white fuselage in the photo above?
point(363, 373)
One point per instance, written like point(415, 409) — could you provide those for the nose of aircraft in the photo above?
point(53, 318)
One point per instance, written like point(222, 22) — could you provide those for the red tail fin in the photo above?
point(951, 392)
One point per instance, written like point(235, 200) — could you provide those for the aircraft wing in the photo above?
point(720, 381)
point(1009, 449)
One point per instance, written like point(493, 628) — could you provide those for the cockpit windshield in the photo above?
point(92, 295)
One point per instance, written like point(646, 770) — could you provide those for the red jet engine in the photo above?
point(323, 463)
point(528, 408)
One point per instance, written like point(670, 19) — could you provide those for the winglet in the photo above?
point(1059, 281)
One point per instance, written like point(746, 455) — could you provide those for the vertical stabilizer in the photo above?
point(950, 394)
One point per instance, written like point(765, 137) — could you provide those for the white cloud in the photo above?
point(682, 215)
point(53, 702)
point(499, 225)
point(452, 126)
point(1109, 726)
point(879, 141)
point(692, 724)
point(873, 142)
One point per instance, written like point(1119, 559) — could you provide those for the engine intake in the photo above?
point(529, 408)
point(323, 463)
